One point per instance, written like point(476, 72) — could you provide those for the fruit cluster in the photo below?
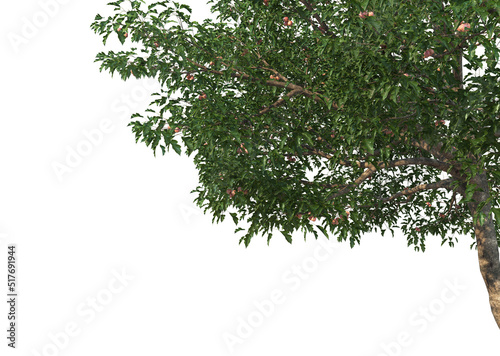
point(365, 14)
point(189, 77)
point(232, 192)
point(287, 21)
point(202, 96)
point(242, 149)
point(275, 77)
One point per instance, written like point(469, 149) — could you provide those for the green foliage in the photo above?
point(292, 126)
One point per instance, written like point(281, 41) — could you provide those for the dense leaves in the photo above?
point(346, 117)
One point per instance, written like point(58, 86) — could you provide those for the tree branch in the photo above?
point(446, 183)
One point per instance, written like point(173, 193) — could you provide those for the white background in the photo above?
point(191, 287)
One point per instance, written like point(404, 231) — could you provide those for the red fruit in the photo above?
point(177, 130)
point(428, 204)
point(335, 221)
point(370, 13)
point(417, 229)
point(363, 14)
point(233, 193)
point(125, 34)
point(211, 63)
point(285, 18)
point(299, 216)
point(228, 191)
point(240, 189)
point(289, 23)
point(428, 53)
point(245, 191)
point(312, 218)
point(157, 45)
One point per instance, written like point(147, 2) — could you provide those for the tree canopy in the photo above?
point(338, 117)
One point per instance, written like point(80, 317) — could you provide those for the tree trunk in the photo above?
point(487, 246)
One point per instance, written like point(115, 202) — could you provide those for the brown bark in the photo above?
point(487, 246)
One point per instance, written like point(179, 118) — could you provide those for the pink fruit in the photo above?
point(463, 26)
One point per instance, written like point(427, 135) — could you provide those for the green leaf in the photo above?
point(496, 211)
point(287, 235)
point(368, 145)
point(385, 92)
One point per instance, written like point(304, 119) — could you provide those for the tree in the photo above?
point(337, 117)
